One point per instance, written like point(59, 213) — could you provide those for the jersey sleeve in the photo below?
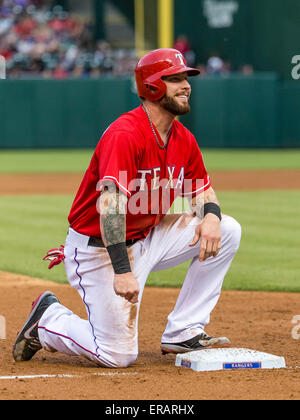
point(196, 179)
point(118, 160)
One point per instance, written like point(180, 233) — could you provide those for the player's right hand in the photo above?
point(126, 286)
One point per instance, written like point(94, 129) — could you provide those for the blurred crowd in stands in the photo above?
point(215, 65)
point(51, 43)
point(36, 41)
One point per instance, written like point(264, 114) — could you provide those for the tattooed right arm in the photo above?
point(113, 231)
point(113, 215)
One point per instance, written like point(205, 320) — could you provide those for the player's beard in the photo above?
point(170, 104)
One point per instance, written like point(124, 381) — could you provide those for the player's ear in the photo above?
point(153, 89)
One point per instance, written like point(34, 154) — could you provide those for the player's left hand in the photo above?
point(209, 231)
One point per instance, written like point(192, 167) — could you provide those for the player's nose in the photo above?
point(186, 84)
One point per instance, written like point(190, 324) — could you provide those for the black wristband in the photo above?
point(212, 208)
point(119, 258)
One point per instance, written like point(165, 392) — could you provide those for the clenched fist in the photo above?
point(126, 286)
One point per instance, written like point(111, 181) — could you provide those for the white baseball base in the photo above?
point(229, 358)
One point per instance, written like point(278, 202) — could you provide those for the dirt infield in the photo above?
point(228, 180)
point(260, 321)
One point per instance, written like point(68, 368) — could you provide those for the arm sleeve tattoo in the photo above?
point(113, 215)
point(197, 203)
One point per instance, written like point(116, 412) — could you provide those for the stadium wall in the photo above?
point(289, 113)
point(263, 33)
point(234, 112)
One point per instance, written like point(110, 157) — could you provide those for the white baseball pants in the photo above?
point(109, 336)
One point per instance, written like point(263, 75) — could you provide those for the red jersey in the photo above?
point(152, 177)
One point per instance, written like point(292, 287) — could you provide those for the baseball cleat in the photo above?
point(27, 342)
point(200, 342)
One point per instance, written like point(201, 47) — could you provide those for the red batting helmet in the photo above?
point(156, 64)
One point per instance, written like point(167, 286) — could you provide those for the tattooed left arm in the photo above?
point(197, 203)
point(209, 230)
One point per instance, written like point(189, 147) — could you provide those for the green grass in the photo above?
point(228, 159)
point(29, 227)
point(64, 161)
point(268, 258)
point(44, 161)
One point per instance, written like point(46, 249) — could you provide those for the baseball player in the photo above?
point(120, 232)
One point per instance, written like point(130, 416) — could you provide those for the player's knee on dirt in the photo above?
point(232, 231)
point(120, 360)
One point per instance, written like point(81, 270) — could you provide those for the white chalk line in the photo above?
point(66, 376)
